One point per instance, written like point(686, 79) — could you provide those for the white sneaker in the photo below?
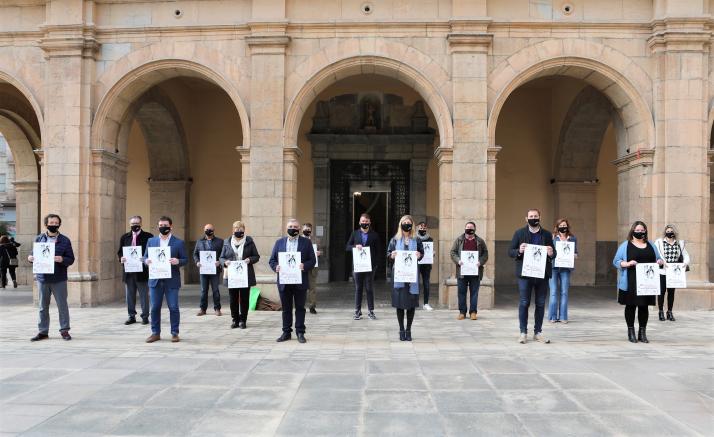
point(522, 339)
point(540, 338)
point(428, 307)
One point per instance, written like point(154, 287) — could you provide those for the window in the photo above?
point(3, 182)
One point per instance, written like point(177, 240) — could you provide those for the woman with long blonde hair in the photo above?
point(405, 296)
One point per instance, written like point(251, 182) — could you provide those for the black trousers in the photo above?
point(364, 281)
point(670, 299)
point(425, 274)
point(240, 297)
point(293, 296)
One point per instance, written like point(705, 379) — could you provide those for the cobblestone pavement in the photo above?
point(356, 377)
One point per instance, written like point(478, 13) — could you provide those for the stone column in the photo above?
point(469, 45)
point(170, 198)
point(27, 200)
point(69, 46)
point(447, 282)
point(417, 188)
point(492, 153)
point(634, 192)
point(577, 201)
point(321, 166)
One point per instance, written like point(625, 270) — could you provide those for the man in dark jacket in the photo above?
point(534, 234)
point(471, 242)
point(137, 281)
point(365, 237)
point(210, 243)
point(55, 283)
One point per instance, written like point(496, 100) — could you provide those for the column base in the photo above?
point(697, 296)
point(486, 295)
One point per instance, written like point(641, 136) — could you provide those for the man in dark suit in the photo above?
point(166, 287)
point(293, 293)
point(365, 237)
point(138, 281)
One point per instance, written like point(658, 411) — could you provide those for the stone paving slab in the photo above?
point(355, 378)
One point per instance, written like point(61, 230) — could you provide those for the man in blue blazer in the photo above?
point(293, 293)
point(158, 288)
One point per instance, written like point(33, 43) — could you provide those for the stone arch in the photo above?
point(627, 86)
point(119, 86)
point(23, 118)
point(337, 62)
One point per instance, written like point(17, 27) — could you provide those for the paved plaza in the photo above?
point(356, 377)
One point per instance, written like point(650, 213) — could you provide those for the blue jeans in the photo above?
point(131, 287)
point(525, 286)
point(559, 284)
point(211, 280)
point(172, 301)
point(59, 290)
point(464, 283)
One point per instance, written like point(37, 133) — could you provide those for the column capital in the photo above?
point(469, 42)
point(491, 154)
point(244, 154)
point(26, 185)
point(69, 40)
point(268, 37)
point(101, 156)
point(640, 158)
point(291, 155)
point(710, 155)
point(682, 34)
point(444, 156)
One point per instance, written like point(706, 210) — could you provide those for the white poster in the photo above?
point(534, 259)
point(290, 272)
point(647, 279)
point(43, 258)
point(565, 254)
point(133, 262)
point(314, 248)
point(207, 258)
point(160, 267)
point(428, 257)
point(361, 259)
point(470, 263)
point(676, 275)
point(237, 273)
point(405, 266)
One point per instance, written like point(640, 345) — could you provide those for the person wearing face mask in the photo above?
point(673, 251)
point(425, 269)
point(636, 249)
point(560, 278)
point(312, 276)
point(236, 248)
point(471, 242)
point(293, 295)
point(405, 296)
point(209, 242)
point(54, 284)
point(532, 233)
point(139, 281)
point(364, 281)
point(158, 288)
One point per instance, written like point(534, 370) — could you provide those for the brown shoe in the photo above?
point(219, 313)
point(461, 316)
point(474, 316)
point(152, 338)
point(201, 313)
point(174, 339)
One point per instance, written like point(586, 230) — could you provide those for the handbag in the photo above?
point(13, 262)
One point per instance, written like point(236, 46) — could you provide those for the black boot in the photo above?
point(670, 316)
point(631, 335)
point(642, 335)
point(408, 335)
point(402, 335)
point(661, 315)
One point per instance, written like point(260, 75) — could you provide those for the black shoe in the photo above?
point(284, 337)
point(241, 325)
point(39, 337)
point(14, 284)
point(313, 310)
point(670, 316)
point(234, 325)
point(301, 337)
point(631, 335)
point(65, 335)
point(358, 315)
point(408, 335)
point(130, 321)
point(642, 335)
point(371, 315)
point(145, 321)
point(402, 335)
point(661, 315)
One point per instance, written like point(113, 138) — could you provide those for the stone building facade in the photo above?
point(451, 110)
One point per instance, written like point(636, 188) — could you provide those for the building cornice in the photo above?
point(641, 158)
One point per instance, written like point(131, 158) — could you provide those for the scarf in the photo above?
point(414, 286)
point(424, 238)
point(238, 246)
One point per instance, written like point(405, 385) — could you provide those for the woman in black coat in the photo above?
point(236, 248)
point(8, 253)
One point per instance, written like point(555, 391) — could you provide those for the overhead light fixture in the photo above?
point(357, 193)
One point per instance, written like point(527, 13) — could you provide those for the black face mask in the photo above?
point(639, 235)
point(364, 225)
point(669, 235)
point(533, 222)
point(306, 233)
point(135, 228)
point(406, 227)
point(209, 232)
point(469, 231)
point(422, 232)
point(53, 228)
point(563, 230)
point(164, 230)
point(293, 232)
point(238, 234)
